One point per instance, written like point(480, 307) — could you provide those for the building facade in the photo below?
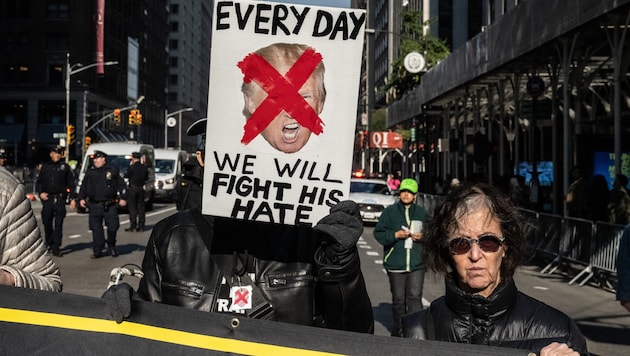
point(148, 55)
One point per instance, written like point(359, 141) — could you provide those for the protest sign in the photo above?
point(282, 109)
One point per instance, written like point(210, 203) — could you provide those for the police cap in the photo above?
point(98, 154)
point(58, 149)
point(135, 155)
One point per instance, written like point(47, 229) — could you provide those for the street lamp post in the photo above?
point(166, 116)
point(111, 114)
point(70, 70)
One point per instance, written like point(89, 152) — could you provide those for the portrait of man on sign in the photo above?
point(284, 93)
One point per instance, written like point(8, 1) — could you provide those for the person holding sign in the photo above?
point(399, 230)
point(284, 92)
point(307, 275)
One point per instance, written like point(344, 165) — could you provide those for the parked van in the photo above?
point(119, 154)
point(169, 166)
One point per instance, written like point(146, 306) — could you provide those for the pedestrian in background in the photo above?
point(476, 240)
point(623, 270)
point(102, 190)
point(55, 184)
point(137, 176)
point(576, 195)
point(3, 158)
point(619, 204)
point(399, 230)
point(393, 182)
point(24, 261)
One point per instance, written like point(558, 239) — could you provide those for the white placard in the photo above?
point(263, 171)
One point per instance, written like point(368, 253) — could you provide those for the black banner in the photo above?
point(44, 323)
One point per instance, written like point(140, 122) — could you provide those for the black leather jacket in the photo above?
point(300, 277)
point(507, 318)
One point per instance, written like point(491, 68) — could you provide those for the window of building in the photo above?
point(172, 79)
point(15, 73)
point(57, 41)
point(15, 9)
point(174, 8)
point(55, 75)
point(172, 97)
point(174, 26)
point(173, 44)
point(57, 10)
point(172, 62)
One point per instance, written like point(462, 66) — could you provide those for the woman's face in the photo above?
point(479, 272)
point(407, 197)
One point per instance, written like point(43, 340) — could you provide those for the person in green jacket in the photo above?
point(399, 230)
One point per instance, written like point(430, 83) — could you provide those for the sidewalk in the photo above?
point(604, 323)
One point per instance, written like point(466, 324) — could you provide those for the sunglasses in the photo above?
point(487, 243)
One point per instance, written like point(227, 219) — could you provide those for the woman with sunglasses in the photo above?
point(476, 239)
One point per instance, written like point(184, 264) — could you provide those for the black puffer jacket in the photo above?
point(303, 275)
point(508, 318)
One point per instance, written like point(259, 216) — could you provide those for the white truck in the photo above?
point(169, 166)
point(119, 154)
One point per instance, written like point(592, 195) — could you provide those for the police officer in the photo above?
point(190, 185)
point(55, 184)
point(137, 174)
point(102, 189)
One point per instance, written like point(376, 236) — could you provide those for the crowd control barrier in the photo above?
point(590, 247)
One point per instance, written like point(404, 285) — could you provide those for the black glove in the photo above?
point(118, 301)
point(342, 227)
point(337, 258)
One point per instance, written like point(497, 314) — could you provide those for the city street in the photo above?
point(605, 324)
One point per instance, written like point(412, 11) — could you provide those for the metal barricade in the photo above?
point(530, 230)
point(604, 250)
point(429, 202)
point(550, 233)
point(574, 244)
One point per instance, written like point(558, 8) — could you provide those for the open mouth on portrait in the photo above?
point(290, 132)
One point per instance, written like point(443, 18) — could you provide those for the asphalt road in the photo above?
point(605, 324)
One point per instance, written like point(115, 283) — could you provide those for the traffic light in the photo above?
point(88, 142)
point(413, 134)
point(138, 118)
point(117, 116)
point(70, 135)
point(132, 116)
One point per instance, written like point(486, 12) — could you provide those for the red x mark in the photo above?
point(282, 92)
point(240, 296)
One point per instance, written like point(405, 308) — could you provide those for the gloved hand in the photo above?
point(118, 301)
point(337, 258)
point(342, 227)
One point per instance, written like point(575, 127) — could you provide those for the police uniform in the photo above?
point(137, 175)
point(57, 180)
point(102, 188)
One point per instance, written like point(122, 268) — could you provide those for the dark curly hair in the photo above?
point(457, 205)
